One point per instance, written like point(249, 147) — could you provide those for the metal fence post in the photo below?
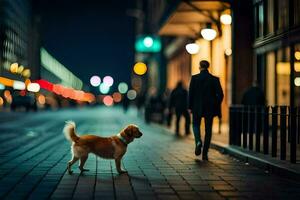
point(257, 127)
point(231, 126)
point(238, 126)
point(250, 126)
point(283, 126)
point(293, 134)
point(274, 130)
point(266, 129)
point(245, 126)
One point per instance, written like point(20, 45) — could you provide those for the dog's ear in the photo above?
point(129, 131)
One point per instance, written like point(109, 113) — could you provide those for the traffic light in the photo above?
point(147, 44)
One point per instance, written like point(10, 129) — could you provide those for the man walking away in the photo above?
point(179, 102)
point(205, 98)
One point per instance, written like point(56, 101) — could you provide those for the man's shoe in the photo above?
point(204, 157)
point(198, 149)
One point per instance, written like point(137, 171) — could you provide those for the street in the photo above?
point(34, 155)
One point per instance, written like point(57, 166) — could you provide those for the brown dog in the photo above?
point(113, 147)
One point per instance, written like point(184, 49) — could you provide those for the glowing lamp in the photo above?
point(140, 68)
point(297, 55)
point(297, 81)
point(19, 85)
point(104, 88)
point(122, 87)
point(192, 48)
point(6, 81)
point(2, 87)
point(95, 81)
point(1, 101)
point(148, 41)
point(226, 19)
point(20, 69)
point(108, 101)
point(33, 87)
point(117, 97)
point(26, 73)
point(131, 94)
point(208, 33)
point(41, 99)
point(108, 80)
point(14, 67)
point(228, 52)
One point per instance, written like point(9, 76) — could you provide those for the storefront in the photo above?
point(186, 24)
point(277, 50)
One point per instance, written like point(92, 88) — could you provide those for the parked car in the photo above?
point(26, 101)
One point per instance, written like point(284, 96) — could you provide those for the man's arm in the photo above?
point(191, 93)
point(219, 91)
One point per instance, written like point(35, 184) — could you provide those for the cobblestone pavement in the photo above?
point(34, 153)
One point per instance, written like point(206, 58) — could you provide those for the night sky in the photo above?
point(90, 37)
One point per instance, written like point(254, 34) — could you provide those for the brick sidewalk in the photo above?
point(160, 166)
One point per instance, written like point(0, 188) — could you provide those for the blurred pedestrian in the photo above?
point(254, 96)
point(140, 102)
point(179, 103)
point(205, 98)
point(125, 103)
point(252, 99)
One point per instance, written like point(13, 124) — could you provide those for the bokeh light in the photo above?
point(123, 87)
point(14, 67)
point(148, 41)
point(136, 83)
point(20, 69)
point(19, 85)
point(108, 100)
point(297, 55)
point(95, 81)
point(297, 81)
point(104, 88)
point(140, 68)
point(108, 80)
point(1, 101)
point(33, 87)
point(226, 19)
point(26, 73)
point(2, 87)
point(131, 94)
point(117, 97)
point(41, 99)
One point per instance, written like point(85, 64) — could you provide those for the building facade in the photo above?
point(277, 50)
point(19, 39)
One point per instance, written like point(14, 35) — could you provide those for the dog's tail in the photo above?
point(69, 131)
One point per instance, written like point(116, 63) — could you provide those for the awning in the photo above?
point(190, 16)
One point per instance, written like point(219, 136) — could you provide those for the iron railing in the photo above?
point(270, 130)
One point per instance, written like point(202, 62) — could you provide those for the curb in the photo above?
point(268, 164)
point(259, 160)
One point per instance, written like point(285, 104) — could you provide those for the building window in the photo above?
point(283, 71)
point(297, 12)
point(270, 78)
point(283, 14)
point(297, 74)
point(270, 16)
point(259, 19)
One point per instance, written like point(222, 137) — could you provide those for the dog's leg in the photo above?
point(82, 162)
point(118, 165)
point(70, 163)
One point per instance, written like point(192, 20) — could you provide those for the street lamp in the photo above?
point(226, 19)
point(192, 48)
point(208, 33)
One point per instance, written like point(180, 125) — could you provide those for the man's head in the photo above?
point(179, 84)
point(204, 64)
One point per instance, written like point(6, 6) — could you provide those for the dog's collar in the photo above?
point(122, 139)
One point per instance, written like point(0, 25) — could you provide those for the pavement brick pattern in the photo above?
point(34, 153)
